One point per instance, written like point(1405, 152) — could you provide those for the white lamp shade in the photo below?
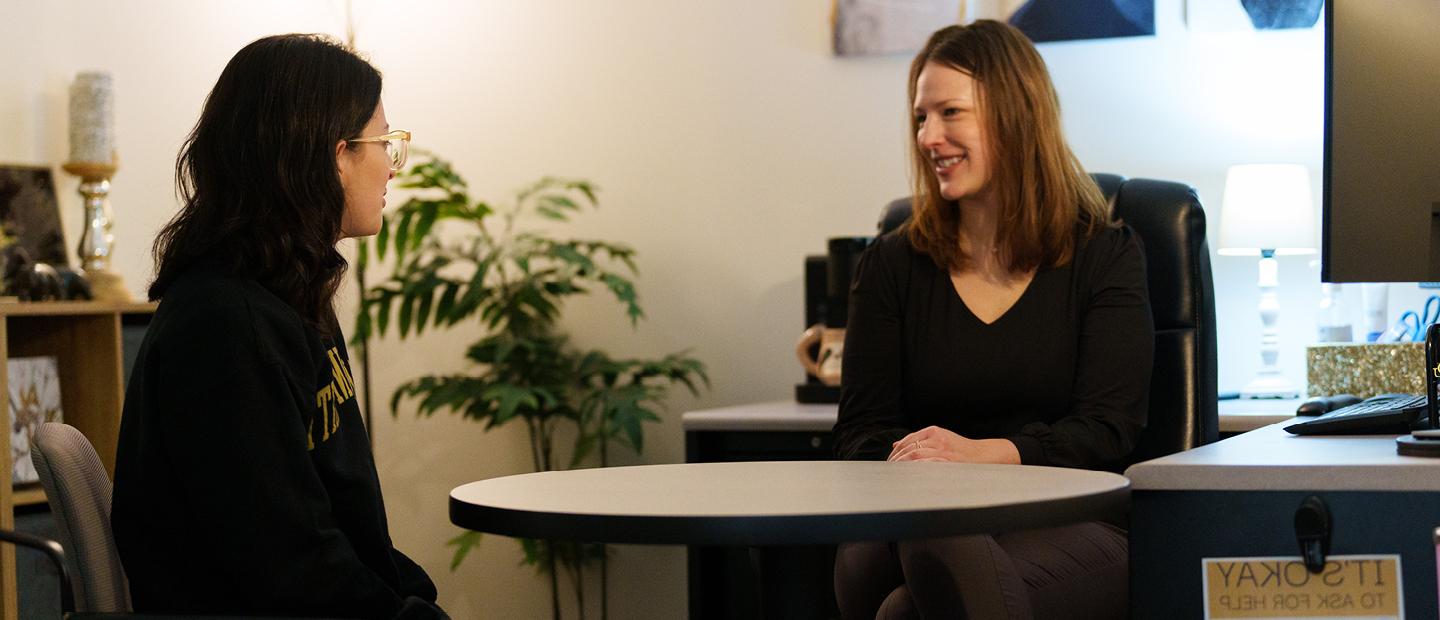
point(1267, 207)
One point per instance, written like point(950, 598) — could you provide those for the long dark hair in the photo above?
point(1043, 190)
point(257, 176)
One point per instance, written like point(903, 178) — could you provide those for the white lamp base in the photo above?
point(1269, 383)
point(1272, 386)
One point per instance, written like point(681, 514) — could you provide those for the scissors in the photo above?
point(1411, 326)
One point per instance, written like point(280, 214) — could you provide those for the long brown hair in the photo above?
point(1043, 191)
point(257, 174)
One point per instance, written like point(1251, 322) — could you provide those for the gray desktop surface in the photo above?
point(1269, 459)
point(1236, 416)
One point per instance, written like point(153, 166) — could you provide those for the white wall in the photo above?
point(728, 143)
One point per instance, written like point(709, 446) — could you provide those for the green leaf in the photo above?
point(536, 553)
point(428, 213)
point(464, 544)
point(383, 320)
point(402, 236)
point(508, 400)
point(362, 324)
point(624, 292)
point(382, 237)
point(584, 445)
point(422, 316)
point(567, 252)
point(589, 190)
point(407, 308)
point(447, 301)
point(362, 252)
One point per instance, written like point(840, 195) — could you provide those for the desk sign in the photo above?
point(1350, 586)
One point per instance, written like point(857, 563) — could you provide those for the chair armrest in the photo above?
point(52, 550)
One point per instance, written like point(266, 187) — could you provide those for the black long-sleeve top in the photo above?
point(1064, 373)
point(244, 480)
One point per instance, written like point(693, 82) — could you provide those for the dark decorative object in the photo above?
point(1282, 14)
point(30, 212)
point(35, 281)
point(1069, 20)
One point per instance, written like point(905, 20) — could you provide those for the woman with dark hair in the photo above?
point(244, 480)
point(1007, 322)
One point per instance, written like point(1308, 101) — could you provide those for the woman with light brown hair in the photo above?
point(1007, 322)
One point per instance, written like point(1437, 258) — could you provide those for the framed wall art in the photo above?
point(34, 384)
point(30, 213)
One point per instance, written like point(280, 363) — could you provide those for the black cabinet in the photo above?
point(723, 580)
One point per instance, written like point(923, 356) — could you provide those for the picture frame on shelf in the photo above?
point(34, 393)
point(30, 212)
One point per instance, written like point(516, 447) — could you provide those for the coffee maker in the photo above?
point(827, 296)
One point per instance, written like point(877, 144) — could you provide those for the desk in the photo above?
point(784, 503)
point(1242, 415)
point(1237, 498)
point(784, 416)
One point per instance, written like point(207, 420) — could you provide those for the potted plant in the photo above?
point(458, 260)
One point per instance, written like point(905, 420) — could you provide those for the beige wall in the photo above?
point(728, 143)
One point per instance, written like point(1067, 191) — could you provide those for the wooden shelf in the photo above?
point(88, 341)
point(29, 495)
point(73, 308)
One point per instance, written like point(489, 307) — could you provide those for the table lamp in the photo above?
point(1267, 213)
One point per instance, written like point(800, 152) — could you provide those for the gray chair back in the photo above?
point(79, 492)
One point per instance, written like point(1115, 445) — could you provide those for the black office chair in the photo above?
point(1183, 392)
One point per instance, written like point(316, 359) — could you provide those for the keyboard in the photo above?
point(1398, 414)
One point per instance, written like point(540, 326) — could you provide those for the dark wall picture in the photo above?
point(30, 213)
point(1069, 20)
point(1282, 14)
point(1216, 15)
point(901, 26)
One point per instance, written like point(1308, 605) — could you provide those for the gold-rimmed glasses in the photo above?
point(397, 146)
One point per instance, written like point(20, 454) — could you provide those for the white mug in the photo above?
point(826, 365)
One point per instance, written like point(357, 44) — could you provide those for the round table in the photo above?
point(784, 503)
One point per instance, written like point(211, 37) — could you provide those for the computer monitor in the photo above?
point(1381, 200)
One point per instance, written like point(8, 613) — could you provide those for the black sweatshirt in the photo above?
point(1064, 373)
point(244, 481)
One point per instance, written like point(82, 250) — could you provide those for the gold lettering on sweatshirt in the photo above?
point(328, 400)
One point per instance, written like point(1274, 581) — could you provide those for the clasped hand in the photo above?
point(933, 443)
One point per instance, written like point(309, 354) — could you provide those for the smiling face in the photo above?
point(950, 132)
point(364, 174)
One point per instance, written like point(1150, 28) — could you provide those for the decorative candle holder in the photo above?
point(97, 243)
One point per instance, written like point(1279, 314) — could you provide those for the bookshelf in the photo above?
point(91, 342)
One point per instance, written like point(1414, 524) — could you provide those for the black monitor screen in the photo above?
point(1381, 216)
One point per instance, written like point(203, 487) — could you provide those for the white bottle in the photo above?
point(1333, 322)
point(1374, 296)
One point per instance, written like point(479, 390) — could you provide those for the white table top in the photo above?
point(784, 503)
point(1269, 459)
point(1236, 416)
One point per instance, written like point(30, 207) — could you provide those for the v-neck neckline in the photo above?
point(950, 280)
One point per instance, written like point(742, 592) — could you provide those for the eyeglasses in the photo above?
point(397, 146)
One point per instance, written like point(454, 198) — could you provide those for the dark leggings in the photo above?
point(1074, 571)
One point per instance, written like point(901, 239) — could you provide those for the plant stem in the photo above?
point(604, 551)
point(534, 433)
point(554, 579)
point(547, 444)
point(579, 575)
